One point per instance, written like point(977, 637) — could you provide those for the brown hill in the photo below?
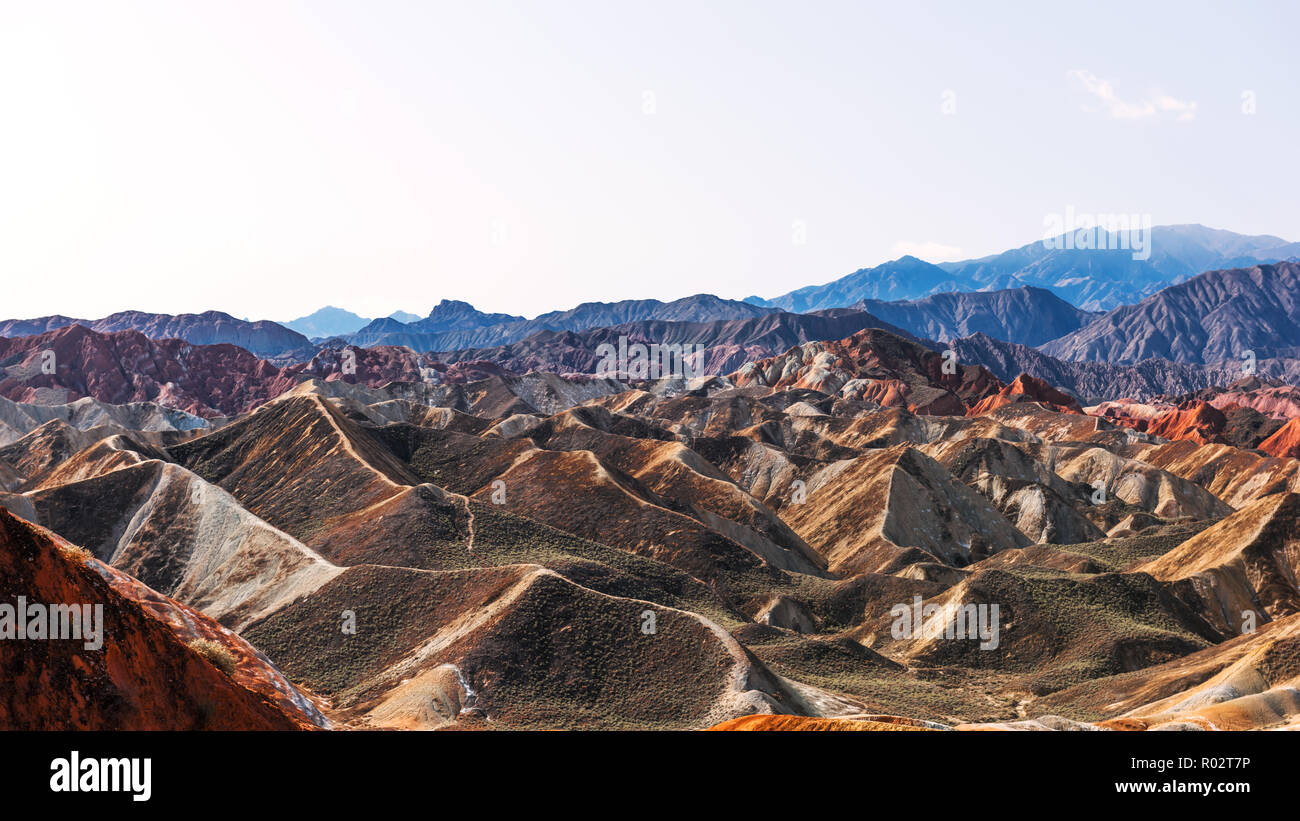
point(1234, 475)
point(893, 507)
point(1247, 683)
point(519, 645)
point(1243, 569)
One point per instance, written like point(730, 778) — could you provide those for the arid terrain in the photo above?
point(838, 522)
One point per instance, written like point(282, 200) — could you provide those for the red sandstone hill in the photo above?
point(1286, 442)
point(1273, 399)
point(875, 366)
point(1026, 388)
point(127, 366)
point(206, 380)
point(1197, 422)
point(148, 675)
point(1192, 420)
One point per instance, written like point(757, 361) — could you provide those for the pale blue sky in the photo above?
point(269, 158)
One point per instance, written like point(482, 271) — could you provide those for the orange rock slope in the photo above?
point(1027, 388)
point(1196, 421)
point(1284, 443)
point(149, 674)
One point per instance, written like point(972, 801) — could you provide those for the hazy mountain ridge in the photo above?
point(327, 322)
point(330, 321)
point(1105, 276)
point(1098, 278)
point(903, 278)
point(262, 337)
point(458, 325)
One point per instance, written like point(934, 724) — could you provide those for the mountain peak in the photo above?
point(450, 305)
point(327, 322)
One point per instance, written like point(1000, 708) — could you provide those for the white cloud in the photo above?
point(928, 251)
point(1155, 105)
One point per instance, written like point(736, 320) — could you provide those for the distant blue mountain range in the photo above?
point(1097, 278)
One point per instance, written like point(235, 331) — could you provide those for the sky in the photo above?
point(268, 158)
